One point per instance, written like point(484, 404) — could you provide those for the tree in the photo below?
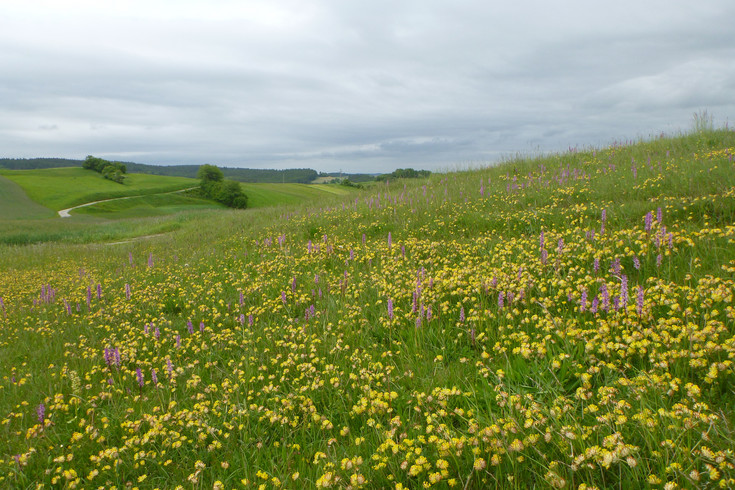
point(230, 194)
point(214, 186)
point(110, 170)
point(210, 173)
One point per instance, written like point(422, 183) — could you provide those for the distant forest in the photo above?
point(296, 175)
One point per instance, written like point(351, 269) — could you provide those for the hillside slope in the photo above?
point(59, 188)
point(15, 203)
point(561, 322)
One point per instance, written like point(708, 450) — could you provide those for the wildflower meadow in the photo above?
point(564, 321)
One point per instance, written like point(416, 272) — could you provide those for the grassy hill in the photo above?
point(15, 203)
point(252, 175)
point(560, 322)
point(60, 188)
point(142, 196)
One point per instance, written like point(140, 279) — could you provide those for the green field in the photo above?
point(15, 203)
point(264, 195)
point(557, 322)
point(60, 188)
point(145, 205)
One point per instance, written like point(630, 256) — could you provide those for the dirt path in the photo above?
point(64, 213)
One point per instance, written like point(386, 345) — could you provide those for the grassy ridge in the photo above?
point(15, 204)
point(550, 323)
point(61, 188)
point(151, 205)
point(264, 195)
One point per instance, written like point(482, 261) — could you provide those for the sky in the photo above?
point(355, 86)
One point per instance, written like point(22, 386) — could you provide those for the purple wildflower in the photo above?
point(190, 327)
point(639, 301)
point(583, 301)
point(500, 299)
point(283, 297)
point(595, 304)
point(648, 221)
point(615, 266)
point(201, 326)
point(636, 263)
point(605, 295)
point(41, 412)
point(127, 291)
point(596, 266)
point(390, 309)
point(250, 320)
point(461, 315)
point(139, 375)
point(390, 240)
point(659, 260)
point(154, 377)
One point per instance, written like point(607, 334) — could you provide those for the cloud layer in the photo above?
point(355, 86)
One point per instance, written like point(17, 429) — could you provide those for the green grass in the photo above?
point(265, 195)
point(151, 205)
point(15, 203)
point(279, 364)
point(61, 188)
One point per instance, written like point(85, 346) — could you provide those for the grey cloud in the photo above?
point(333, 84)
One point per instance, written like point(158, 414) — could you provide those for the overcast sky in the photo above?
point(358, 86)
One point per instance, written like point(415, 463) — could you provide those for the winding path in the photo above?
point(64, 213)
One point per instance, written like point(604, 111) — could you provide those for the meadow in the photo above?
point(144, 205)
point(15, 203)
point(558, 322)
point(60, 188)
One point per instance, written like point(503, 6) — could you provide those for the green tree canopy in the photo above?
point(214, 186)
point(210, 173)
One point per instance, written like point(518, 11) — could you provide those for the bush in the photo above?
point(110, 170)
point(227, 192)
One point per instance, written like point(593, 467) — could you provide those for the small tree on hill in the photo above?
point(110, 170)
point(211, 178)
point(214, 186)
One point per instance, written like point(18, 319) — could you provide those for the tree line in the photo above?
point(404, 173)
point(113, 171)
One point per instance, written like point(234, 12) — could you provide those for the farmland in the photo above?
point(560, 322)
